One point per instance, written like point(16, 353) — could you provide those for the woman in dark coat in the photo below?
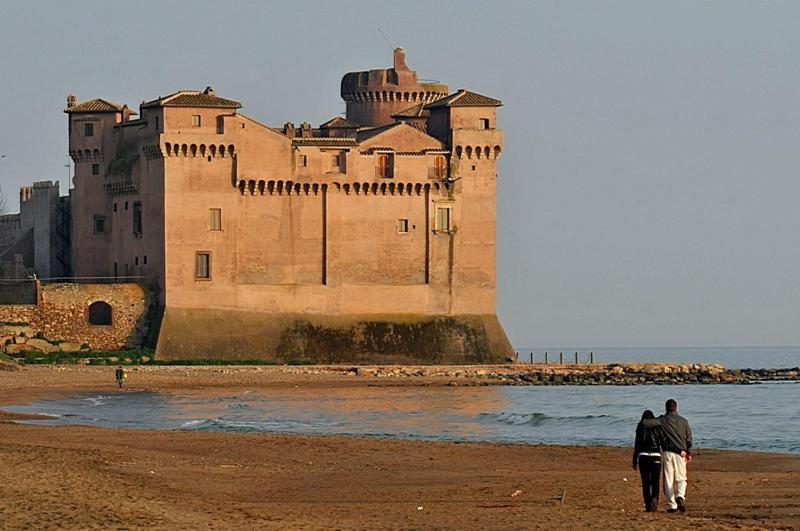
point(647, 459)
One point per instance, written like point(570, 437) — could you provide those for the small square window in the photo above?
point(126, 205)
point(483, 123)
point(337, 161)
point(195, 120)
point(202, 266)
point(303, 161)
point(145, 259)
point(136, 261)
point(215, 219)
point(88, 129)
point(115, 207)
point(99, 224)
point(402, 226)
point(95, 169)
point(444, 218)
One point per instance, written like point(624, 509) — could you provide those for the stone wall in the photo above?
point(402, 338)
point(62, 315)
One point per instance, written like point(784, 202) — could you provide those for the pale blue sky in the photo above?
point(649, 186)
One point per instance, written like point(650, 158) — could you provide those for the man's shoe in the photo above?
point(681, 504)
point(671, 510)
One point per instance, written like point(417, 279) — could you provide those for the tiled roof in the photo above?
point(417, 111)
point(465, 98)
point(366, 134)
point(96, 105)
point(328, 141)
point(193, 98)
point(339, 123)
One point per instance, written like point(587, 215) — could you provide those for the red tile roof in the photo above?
point(96, 105)
point(465, 98)
point(339, 123)
point(193, 98)
point(417, 111)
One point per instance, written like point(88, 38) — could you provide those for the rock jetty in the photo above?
point(611, 374)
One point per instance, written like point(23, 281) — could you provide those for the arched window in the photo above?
point(100, 313)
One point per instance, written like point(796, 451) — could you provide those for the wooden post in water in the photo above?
point(561, 358)
point(531, 358)
point(576, 358)
point(545, 358)
point(591, 357)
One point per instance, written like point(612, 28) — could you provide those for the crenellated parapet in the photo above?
point(86, 155)
point(478, 152)
point(255, 187)
point(200, 150)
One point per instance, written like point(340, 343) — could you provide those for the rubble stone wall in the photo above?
point(62, 317)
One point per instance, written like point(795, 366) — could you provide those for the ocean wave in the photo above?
point(537, 419)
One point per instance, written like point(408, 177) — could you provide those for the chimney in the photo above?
point(71, 100)
point(305, 130)
point(288, 129)
point(400, 59)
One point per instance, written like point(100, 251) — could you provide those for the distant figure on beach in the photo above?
point(677, 446)
point(120, 376)
point(647, 459)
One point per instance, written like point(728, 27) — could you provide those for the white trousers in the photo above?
point(674, 478)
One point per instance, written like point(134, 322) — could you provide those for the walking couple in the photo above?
point(668, 440)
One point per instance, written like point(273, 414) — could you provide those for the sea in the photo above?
point(761, 417)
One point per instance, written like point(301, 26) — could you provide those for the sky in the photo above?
point(648, 189)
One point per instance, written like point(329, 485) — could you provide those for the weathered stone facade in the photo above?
point(383, 221)
point(62, 315)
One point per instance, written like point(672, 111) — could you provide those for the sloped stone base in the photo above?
point(232, 334)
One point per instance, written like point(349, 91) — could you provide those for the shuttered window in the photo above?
point(215, 219)
point(202, 266)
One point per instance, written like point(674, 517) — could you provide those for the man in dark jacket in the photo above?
point(677, 451)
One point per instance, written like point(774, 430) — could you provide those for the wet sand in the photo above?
point(80, 477)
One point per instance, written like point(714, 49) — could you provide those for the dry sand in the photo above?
point(78, 477)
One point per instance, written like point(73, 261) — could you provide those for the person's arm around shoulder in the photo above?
point(651, 423)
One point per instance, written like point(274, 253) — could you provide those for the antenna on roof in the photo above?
point(384, 38)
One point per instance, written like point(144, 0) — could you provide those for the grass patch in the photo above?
point(133, 356)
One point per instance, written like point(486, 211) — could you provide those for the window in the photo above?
point(136, 261)
point(137, 217)
point(126, 205)
point(99, 224)
point(220, 125)
point(115, 270)
point(215, 219)
point(115, 207)
point(337, 161)
point(383, 166)
point(483, 123)
point(145, 260)
point(100, 313)
point(303, 161)
point(402, 226)
point(88, 129)
point(95, 169)
point(195, 120)
point(202, 266)
point(444, 218)
point(439, 167)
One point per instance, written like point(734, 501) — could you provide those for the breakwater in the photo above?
point(610, 374)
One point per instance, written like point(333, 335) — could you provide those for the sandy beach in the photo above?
point(80, 477)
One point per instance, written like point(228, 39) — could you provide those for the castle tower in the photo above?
point(373, 96)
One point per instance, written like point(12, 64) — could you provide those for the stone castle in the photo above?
point(368, 238)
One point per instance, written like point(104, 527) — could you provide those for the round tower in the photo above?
point(373, 96)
